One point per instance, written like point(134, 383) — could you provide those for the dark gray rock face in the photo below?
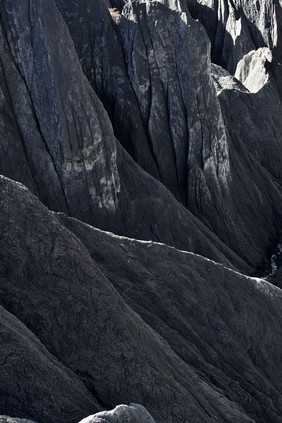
point(102, 59)
point(246, 39)
point(49, 281)
point(90, 319)
point(219, 322)
point(134, 413)
point(93, 177)
point(167, 67)
point(65, 150)
point(63, 134)
point(250, 110)
point(34, 383)
point(181, 342)
point(167, 55)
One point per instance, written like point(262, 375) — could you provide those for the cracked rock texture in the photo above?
point(204, 311)
point(159, 93)
point(63, 147)
point(140, 148)
point(50, 282)
point(239, 26)
point(137, 321)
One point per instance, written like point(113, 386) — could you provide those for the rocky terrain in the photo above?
point(140, 211)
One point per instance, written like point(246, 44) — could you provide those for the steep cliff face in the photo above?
point(170, 73)
point(162, 57)
point(66, 151)
point(99, 49)
point(246, 40)
point(237, 27)
point(159, 121)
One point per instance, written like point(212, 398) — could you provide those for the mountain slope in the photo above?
point(50, 283)
point(162, 56)
point(119, 121)
point(60, 141)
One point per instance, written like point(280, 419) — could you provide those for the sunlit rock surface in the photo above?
point(134, 413)
point(57, 139)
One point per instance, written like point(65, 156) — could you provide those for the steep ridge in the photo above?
point(246, 40)
point(50, 283)
point(253, 118)
point(167, 65)
point(102, 59)
point(65, 150)
point(222, 190)
point(236, 27)
point(90, 319)
point(220, 322)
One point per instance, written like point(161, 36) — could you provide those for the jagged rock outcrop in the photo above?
point(236, 27)
point(252, 70)
point(63, 147)
point(167, 68)
point(246, 39)
point(102, 59)
point(134, 413)
point(250, 110)
point(91, 319)
point(198, 352)
point(170, 73)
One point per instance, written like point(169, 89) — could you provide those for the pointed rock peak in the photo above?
point(252, 69)
point(133, 413)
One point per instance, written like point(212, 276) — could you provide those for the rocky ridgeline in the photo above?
point(160, 122)
point(134, 413)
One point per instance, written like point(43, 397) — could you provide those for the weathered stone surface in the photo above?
point(65, 149)
point(34, 383)
point(49, 282)
point(90, 319)
point(167, 56)
point(102, 59)
point(207, 346)
point(252, 69)
point(181, 114)
point(167, 68)
point(252, 115)
point(221, 323)
point(237, 27)
point(65, 139)
point(133, 413)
